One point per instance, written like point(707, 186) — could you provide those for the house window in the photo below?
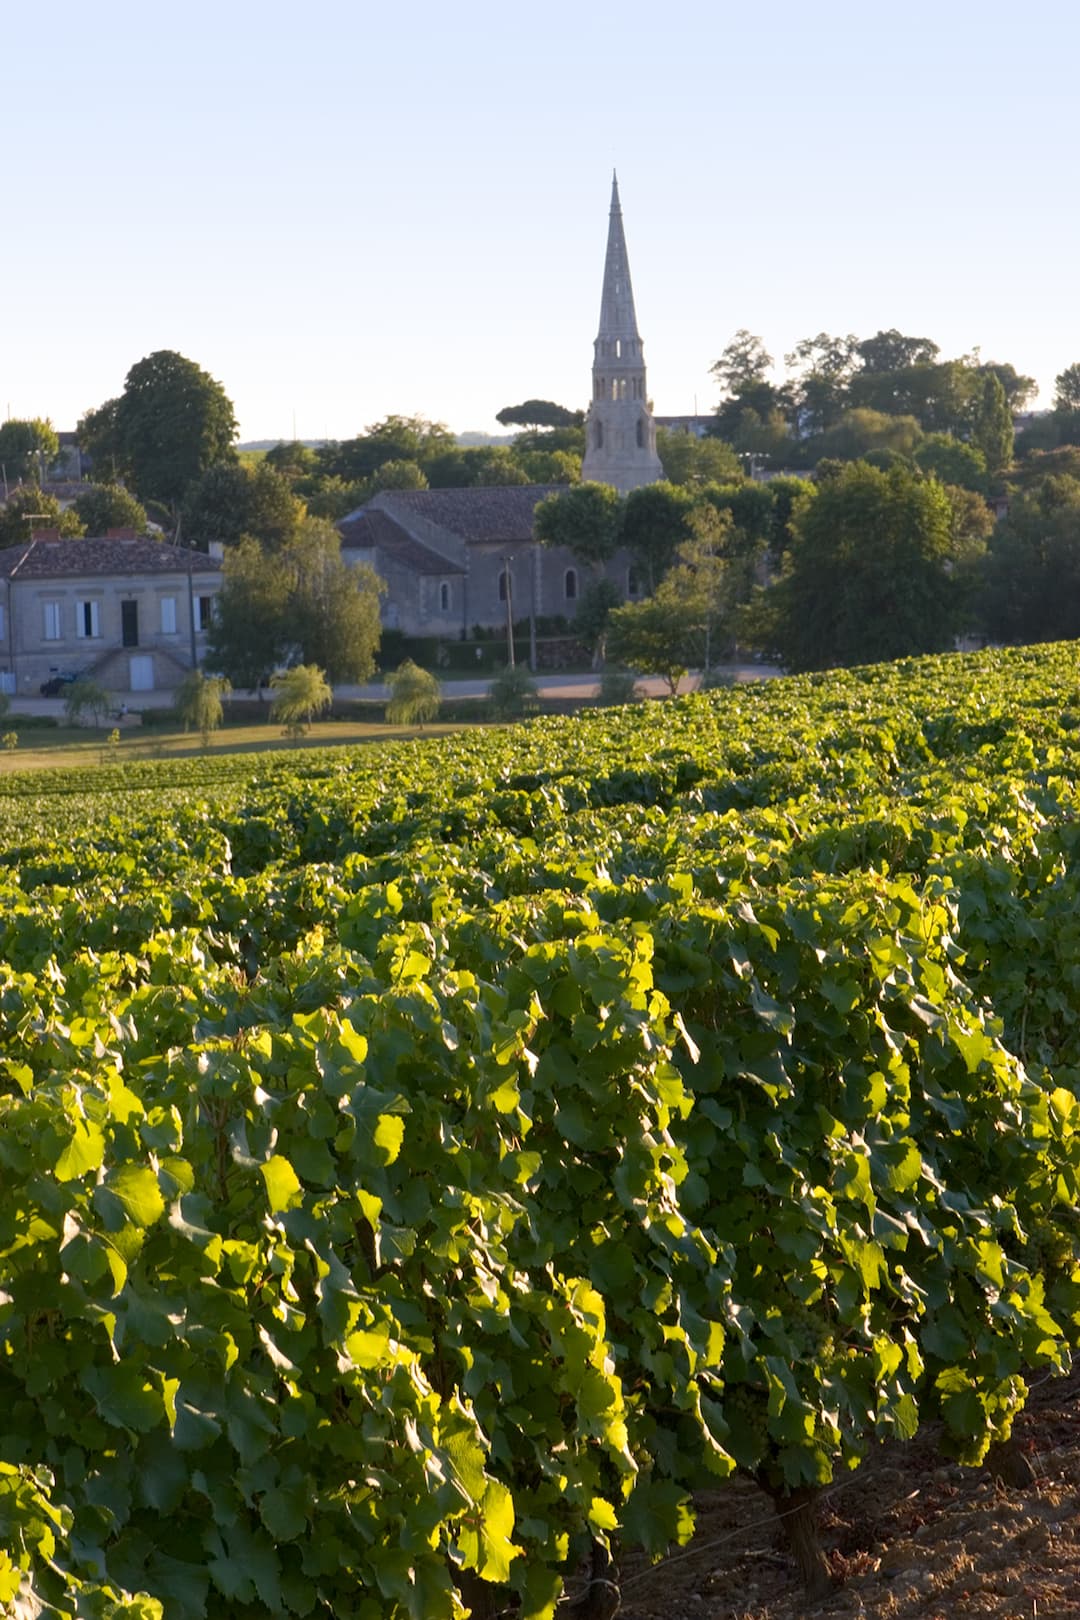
point(51, 613)
point(87, 619)
point(168, 615)
point(503, 585)
point(633, 582)
point(444, 597)
point(204, 612)
point(570, 584)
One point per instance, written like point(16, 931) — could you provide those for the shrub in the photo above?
point(617, 686)
point(300, 694)
point(513, 693)
point(415, 695)
point(198, 702)
point(85, 700)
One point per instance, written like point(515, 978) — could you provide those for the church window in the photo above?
point(570, 584)
point(614, 387)
point(599, 435)
point(618, 348)
point(444, 597)
point(633, 582)
point(640, 434)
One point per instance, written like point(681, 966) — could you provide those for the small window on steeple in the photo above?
point(599, 435)
point(570, 584)
point(640, 434)
point(618, 348)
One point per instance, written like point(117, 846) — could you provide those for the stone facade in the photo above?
point(127, 610)
point(620, 435)
point(445, 555)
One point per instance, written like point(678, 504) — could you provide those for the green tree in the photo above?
point(397, 475)
point(331, 606)
point(99, 439)
point(415, 695)
point(992, 428)
point(1067, 389)
point(85, 698)
point(891, 351)
point(687, 459)
point(300, 694)
point(169, 425)
point(292, 459)
point(395, 438)
point(233, 499)
point(110, 506)
point(951, 461)
point(869, 575)
point(512, 693)
point(249, 634)
point(686, 620)
point(539, 413)
point(824, 365)
point(199, 702)
point(27, 448)
point(861, 430)
point(1031, 589)
point(586, 519)
point(598, 599)
point(29, 508)
point(655, 523)
point(548, 466)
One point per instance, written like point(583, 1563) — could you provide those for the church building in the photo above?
point(450, 558)
point(620, 435)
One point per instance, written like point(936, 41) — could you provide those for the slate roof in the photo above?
point(499, 512)
point(60, 559)
point(374, 528)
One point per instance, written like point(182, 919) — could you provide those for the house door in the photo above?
point(129, 624)
point(142, 672)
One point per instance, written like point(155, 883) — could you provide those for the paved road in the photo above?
point(549, 686)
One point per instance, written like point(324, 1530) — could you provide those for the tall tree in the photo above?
point(27, 448)
point(539, 413)
point(170, 424)
point(1032, 574)
point(687, 459)
point(892, 351)
point(110, 506)
point(655, 523)
point(870, 573)
point(992, 428)
point(395, 438)
point(586, 518)
point(232, 499)
point(824, 365)
point(29, 508)
point(332, 606)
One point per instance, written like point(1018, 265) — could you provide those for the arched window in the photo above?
point(640, 434)
point(502, 585)
point(633, 582)
point(599, 435)
point(570, 584)
point(614, 387)
point(444, 597)
point(618, 348)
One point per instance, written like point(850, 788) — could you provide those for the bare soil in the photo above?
point(909, 1536)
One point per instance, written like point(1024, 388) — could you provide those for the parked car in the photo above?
point(55, 684)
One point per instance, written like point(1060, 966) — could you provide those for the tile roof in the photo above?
point(59, 559)
point(492, 512)
point(370, 527)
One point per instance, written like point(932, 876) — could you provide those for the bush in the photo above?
point(11, 740)
point(199, 703)
point(85, 700)
point(414, 695)
point(513, 693)
point(617, 686)
point(300, 694)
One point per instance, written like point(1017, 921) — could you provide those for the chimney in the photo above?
point(121, 534)
point(45, 534)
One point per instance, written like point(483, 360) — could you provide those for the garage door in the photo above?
point(142, 673)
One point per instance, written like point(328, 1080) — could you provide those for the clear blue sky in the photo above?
point(346, 209)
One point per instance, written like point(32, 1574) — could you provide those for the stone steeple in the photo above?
point(620, 436)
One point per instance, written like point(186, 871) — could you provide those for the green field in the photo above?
point(421, 1162)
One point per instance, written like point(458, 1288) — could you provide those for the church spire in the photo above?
point(620, 442)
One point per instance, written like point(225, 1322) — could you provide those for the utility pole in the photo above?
point(508, 576)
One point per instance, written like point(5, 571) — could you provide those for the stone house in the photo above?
point(450, 556)
point(127, 610)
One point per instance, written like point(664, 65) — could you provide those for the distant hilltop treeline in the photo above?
point(465, 439)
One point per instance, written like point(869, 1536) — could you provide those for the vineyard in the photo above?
point(425, 1169)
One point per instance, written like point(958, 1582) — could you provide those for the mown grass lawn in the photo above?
point(41, 748)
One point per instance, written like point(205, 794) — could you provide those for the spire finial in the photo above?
point(614, 189)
